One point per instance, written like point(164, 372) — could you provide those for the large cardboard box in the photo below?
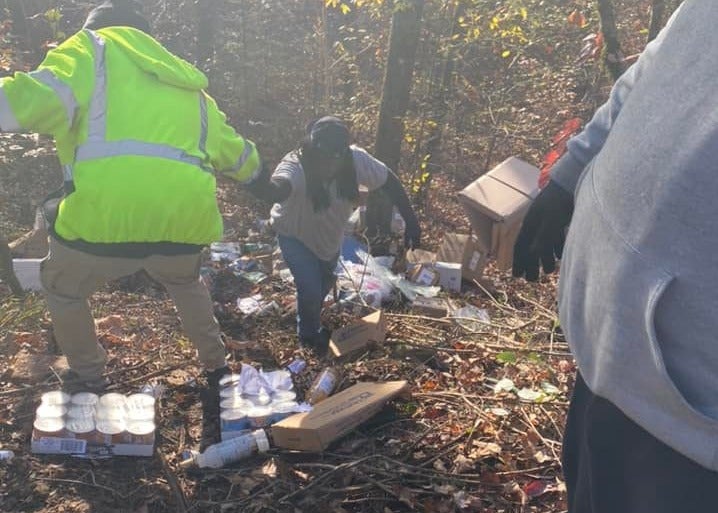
point(496, 204)
point(335, 416)
point(350, 339)
point(465, 250)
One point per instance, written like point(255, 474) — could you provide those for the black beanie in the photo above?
point(117, 13)
point(329, 135)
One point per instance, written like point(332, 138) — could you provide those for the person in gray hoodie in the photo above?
point(638, 299)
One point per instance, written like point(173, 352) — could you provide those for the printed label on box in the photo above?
point(475, 258)
point(53, 445)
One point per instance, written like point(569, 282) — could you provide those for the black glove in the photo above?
point(543, 232)
point(412, 236)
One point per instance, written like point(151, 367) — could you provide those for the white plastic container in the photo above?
point(85, 399)
point(55, 398)
point(229, 451)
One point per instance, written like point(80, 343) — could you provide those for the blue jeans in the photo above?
point(313, 278)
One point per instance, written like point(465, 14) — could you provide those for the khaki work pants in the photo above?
point(70, 277)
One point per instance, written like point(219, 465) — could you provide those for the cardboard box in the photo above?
point(349, 339)
point(430, 306)
point(424, 274)
point(335, 416)
point(465, 250)
point(449, 275)
point(416, 257)
point(496, 204)
point(27, 271)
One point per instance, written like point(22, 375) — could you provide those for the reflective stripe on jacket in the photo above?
point(137, 137)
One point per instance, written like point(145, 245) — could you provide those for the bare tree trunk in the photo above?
point(613, 56)
point(403, 41)
point(18, 16)
point(658, 7)
point(439, 98)
point(7, 274)
point(206, 19)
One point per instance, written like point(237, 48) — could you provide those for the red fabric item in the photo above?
point(558, 148)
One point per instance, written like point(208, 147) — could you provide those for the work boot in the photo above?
point(319, 343)
point(214, 376)
point(72, 383)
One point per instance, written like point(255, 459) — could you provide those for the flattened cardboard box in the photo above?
point(496, 204)
point(465, 250)
point(349, 339)
point(430, 306)
point(335, 416)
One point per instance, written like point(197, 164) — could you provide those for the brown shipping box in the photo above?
point(496, 204)
point(335, 416)
point(349, 339)
point(430, 306)
point(465, 250)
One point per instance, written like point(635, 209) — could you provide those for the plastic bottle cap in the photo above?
point(191, 459)
point(262, 441)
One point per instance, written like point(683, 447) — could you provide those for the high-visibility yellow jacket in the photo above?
point(138, 138)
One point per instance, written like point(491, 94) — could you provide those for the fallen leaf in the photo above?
point(462, 464)
point(484, 450)
point(111, 321)
point(535, 488)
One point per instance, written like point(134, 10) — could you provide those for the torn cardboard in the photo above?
point(496, 204)
point(350, 339)
point(335, 416)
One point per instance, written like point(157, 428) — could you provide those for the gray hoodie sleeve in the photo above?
point(588, 143)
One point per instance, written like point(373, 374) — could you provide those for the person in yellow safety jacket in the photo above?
point(139, 141)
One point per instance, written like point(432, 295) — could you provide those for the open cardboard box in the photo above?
point(496, 204)
point(335, 416)
point(465, 250)
point(350, 339)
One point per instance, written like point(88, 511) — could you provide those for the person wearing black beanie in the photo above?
point(118, 13)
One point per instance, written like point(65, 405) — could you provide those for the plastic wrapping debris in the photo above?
point(220, 251)
point(254, 277)
point(154, 389)
point(375, 282)
point(471, 318)
point(254, 305)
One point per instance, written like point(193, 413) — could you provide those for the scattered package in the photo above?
point(466, 250)
point(254, 399)
point(85, 423)
point(350, 339)
point(430, 307)
point(335, 416)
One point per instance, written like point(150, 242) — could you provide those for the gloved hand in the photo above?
point(543, 232)
point(412, 236)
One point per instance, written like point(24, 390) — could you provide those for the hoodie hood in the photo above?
point(151, 57)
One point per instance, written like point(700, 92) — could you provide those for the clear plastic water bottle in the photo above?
point(6, 455)
point(229, 451)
